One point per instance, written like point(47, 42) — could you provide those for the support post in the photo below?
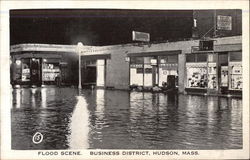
point(79, 48)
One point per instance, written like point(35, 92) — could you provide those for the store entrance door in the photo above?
point(223, 72)
point(36, 71)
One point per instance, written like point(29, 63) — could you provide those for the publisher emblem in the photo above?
point(37, 138)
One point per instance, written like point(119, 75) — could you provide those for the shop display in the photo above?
point(50, 72)
point(196, 75)
point(25, 70)
point(136, 74)
point(212, 76)
point(236, 75)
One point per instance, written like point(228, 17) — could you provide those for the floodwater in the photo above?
point(113, 119)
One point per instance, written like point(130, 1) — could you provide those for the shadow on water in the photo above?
point(113, 119)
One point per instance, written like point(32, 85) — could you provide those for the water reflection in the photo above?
point(108, 119)
point(79, 127)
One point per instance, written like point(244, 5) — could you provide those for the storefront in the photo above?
point(36, 71)
point(43, 64)
point(94, 70)
point(154, 70)
point(214, 72)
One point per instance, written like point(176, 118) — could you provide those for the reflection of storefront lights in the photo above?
point(18, 62)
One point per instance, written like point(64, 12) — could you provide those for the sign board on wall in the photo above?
point(140, 36)
point(224, 22)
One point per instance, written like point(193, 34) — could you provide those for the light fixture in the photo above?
point(18, 62)
point(127, 59)
point(33, 59)
point(44, 60)
point(153, 61)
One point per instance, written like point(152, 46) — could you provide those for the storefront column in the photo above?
point(181, 73)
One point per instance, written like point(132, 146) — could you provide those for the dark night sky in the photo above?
point(97, 27)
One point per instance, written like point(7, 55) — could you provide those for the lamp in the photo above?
point(78, 50)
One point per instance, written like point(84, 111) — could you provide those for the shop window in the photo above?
point(197, 77)
point(25, 70)
point(235, 56)
point(147, 60)
point(212, 58)
point(148, 70)
point(201, 57)
point(236, 82)
point(169, 59)
point(173, 58)
point(50, 71)
point(190, 58)
point(139, 70)
point(136, 60)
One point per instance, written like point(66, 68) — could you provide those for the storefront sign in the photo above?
point(136, 66)
point(140, 36)
point(224, 22)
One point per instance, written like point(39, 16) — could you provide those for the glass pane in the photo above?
point(197, 77)
point(235, 56)
point(147, 60)
point(163, 59)
point(139, 70)
point(201, 57)
point(25, 69)
point(212, 58)
point(173, 58)
point(136, 60)
point(190, 58)
point(148, 70)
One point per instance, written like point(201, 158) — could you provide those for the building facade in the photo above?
point(178, 65)
point(41, 64)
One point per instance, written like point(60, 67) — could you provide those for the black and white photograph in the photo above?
point(127, 82)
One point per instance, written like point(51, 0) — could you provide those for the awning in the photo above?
point(94, 57)
point(157, 53)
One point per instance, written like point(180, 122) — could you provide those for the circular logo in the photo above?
point(37, 138)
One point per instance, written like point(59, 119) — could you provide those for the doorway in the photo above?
point(36, 71)
point(223, 72)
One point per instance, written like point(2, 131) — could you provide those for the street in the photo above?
point(116, 119)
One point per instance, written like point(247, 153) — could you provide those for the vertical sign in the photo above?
point(224, 22)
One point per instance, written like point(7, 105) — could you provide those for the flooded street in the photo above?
point(113, 119)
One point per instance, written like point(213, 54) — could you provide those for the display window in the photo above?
point(148, 69)
point(199, 57)
point(197, 71)
point(50, 71)
point(168, 66)
point(136, 71)
point(196, 75)
point(236, 82)
point(25, 70)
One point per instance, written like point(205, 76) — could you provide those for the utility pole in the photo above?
point(215, 26)
point(79, 48)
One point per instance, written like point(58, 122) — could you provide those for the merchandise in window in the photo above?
point(236, 82)
point(196, 75)
point(25, 70)
point(50, 71)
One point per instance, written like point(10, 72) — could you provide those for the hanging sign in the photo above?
point(224, 22)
